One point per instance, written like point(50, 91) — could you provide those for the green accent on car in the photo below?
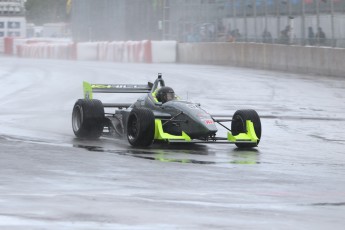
point(249, 136)
point(154, 95)
point(87, 90)
point(100, 86)
point(161, 135)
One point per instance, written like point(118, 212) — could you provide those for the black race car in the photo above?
point(158, 116)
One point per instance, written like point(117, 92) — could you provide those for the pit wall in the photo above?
point(295, 59)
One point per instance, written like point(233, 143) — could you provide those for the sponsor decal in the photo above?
point(120, 86)
point(209, 122)
point(100, 86)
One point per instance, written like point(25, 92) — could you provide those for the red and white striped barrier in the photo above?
point(8, 45)
point(129, 51)
point(116, 51)
point(2, 45)
point(46, 51)
point(111, 51)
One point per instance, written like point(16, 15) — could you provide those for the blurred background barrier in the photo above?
point(129, 51)
point(8, 46)
point(87, 51)
point(46, 51)
point(164, 51)
point(117, 51)
point(295, 59)
point(282, 57)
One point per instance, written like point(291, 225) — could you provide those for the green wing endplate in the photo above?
point(250, 136)
point(161, 135)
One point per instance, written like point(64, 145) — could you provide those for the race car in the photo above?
point(158, 116)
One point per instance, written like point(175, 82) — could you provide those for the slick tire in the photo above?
point(88, 118)
point(140, 127)
point(238, 125)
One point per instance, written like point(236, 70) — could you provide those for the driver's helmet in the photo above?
point(165, 94)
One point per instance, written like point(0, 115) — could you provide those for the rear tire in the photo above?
point(141, 127)
point(88, 118)
point(238, 125)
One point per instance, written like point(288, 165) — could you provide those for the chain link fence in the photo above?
point(302, 22)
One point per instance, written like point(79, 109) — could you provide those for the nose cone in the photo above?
point(206, 125)
point(199, 124)
point(202, 124)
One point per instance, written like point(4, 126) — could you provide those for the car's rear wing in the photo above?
point(89, 88)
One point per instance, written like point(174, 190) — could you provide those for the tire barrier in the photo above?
point(117, 51)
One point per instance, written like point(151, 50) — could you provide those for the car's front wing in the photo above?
point(248, 137)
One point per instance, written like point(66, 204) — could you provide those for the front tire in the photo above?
point(238, 125)
point(88, 118)
point(141, 127)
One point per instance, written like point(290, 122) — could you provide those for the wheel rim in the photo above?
point(133, 128)
point(77, 118)
point(238, 125)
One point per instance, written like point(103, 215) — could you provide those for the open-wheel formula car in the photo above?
point(158, 116)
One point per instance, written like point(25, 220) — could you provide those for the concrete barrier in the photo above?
point(296, 59)
point(164, 51)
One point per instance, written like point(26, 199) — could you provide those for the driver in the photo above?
point(165, 94)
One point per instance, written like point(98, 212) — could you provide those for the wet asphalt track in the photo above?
point(50, 180)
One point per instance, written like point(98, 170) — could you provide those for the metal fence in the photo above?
point(270, 21)
point(304, 22)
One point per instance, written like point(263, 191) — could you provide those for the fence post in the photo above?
point(332, 24)
point(303, 24)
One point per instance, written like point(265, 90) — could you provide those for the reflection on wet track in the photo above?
point(184, 154)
